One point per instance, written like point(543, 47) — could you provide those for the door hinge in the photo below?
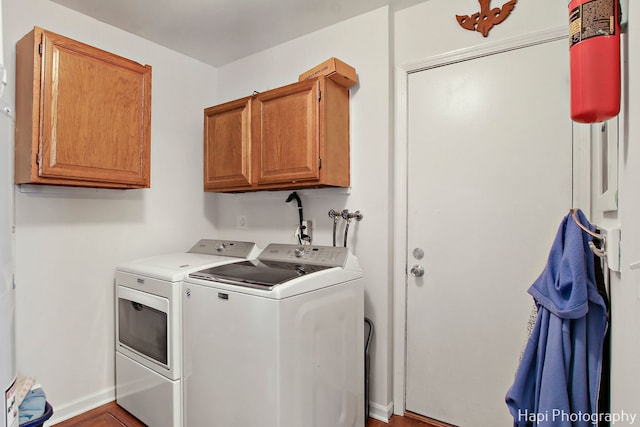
point(319, 162)
point(319, 95)
point(40, 48)
point(38, 158)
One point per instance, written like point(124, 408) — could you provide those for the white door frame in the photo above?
point(580, 193)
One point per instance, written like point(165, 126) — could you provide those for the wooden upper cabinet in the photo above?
point(83, 115)
point(227, 145)
point(298, 137)
point(286, 130)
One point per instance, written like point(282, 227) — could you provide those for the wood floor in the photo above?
point(109, 415)
point(112, 415)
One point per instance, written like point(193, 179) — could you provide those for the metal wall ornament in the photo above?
point(484, 20)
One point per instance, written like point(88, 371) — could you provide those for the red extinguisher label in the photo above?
point(592, 19)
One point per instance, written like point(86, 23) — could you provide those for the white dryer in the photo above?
point(148, 331)
point(275, 342)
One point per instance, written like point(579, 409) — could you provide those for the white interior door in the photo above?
point(489, 180)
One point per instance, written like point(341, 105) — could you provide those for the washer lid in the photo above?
point(257, 274)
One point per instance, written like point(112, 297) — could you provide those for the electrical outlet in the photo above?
point(241, 222)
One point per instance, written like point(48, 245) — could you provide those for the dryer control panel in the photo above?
point(229, 248)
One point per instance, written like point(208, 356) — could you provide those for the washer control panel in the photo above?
point(229, 248)
point(306, 254)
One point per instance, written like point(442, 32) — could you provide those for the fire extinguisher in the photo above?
point(594, 51)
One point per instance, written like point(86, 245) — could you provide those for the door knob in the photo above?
point(417, 271)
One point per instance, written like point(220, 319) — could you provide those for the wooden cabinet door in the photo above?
point(83, 115)
point(95, 114)
point(227, 145)
point(285, 133)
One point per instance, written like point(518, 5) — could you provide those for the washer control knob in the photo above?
point(298, 252)
point(221, 247)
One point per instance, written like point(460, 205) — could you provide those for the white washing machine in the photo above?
point(148, 333)
point(275, 342)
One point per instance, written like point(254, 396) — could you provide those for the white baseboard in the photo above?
point(380, 412)
point(77, 407)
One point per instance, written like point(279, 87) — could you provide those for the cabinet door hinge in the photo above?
point(40, 48)
point(38, 158)
point(319, 162)
point(319, 95)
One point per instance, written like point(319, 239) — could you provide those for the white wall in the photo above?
point(271, 220)
point(431, 28)
point(68, 241)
